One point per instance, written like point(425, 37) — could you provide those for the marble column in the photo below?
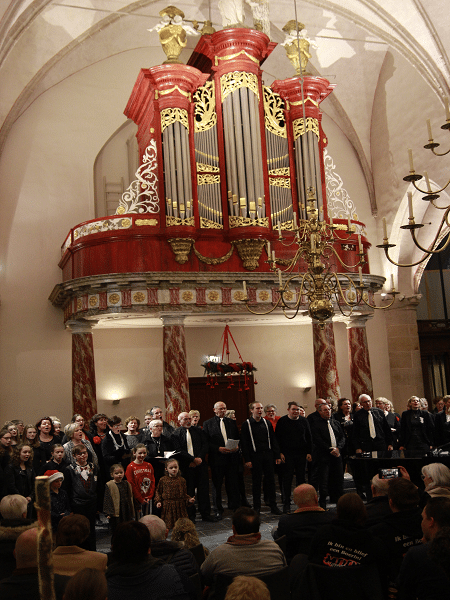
point(84, 398)
point(327, 378)
point(358, 356)
point(176, 380)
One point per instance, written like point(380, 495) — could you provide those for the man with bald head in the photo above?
point(224, 462)
point(192, 447)
point(301, 526)
point(23, 584)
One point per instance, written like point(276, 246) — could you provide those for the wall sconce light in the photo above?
point(307, 389)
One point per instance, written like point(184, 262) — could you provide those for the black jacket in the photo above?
point(426, 429)
point(294, 435)
point(361, 433)
point(321, 436)
point(199, 443)
point(211, 428)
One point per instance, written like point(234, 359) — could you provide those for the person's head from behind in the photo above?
point(379, 486)
point(72, 530)
point(25, 550)
point(435, 516)
point(87, 583)
point(305, 495)
point(439, 549)
point(184, 531)
point(245, 520)
point(156, 526)
point(436, 474)
point(351, 508)
point(13, 506)
point(402, 494)
point(130, 543)
point(247, 588)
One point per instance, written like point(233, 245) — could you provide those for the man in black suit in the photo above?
point(371, 431)
point(261, 452)
point(328, 441)
point(224, 462)
point(294, 438)
point(192, 447)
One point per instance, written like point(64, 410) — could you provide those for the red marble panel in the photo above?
point(327, 377)
point(84, 397)
point(174, 295)
point(358, 356)
point(152, 296)
point(102, 301)
point(126, 298)
point(251, 295)
point(176, 381)
point(200, 296)
point(226, 297)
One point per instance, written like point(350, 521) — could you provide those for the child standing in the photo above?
point(82, 490)
point(60, 504)
point(140, 474)
point(171, 495)
point(118, 502)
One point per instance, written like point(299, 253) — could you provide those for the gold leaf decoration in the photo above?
point(170, 115)
point(114, 298)
point(205, 116)
point(264, 296)
point(213, 296)
point(187, 296)
point(231, 82)
point(138, 297)
point(298, 126)
point(93, 301)
point(274, 113)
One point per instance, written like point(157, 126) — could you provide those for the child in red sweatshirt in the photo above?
point(142, 479)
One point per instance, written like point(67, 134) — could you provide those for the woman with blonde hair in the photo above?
point(185, 533)
point(416, 430)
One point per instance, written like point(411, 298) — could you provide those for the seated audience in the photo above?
point(301, 526)
point(378, 507)
point(185, 533)
point(244, 553)
point(420, 578)
point(401, 529)
point(345, 542)
point(13, 510)
point(87, 583)
point(68, 556)
point(436, 479)
point(23, 583)
point(134, 573)
point(168, 551)
point(247, 588)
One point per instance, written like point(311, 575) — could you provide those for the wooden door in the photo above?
point(203, 397)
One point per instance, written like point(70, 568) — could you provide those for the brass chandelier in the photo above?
point(320, 287)
point(430, 196)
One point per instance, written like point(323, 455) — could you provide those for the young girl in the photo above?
point(140, 475)
point(171, 495)
point(60, 503)
point(20, 476)
point(118, 502)
point(57, 462)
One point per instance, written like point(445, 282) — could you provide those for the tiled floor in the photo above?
point(212, 535)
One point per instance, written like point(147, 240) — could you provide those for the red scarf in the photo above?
point(246, 539)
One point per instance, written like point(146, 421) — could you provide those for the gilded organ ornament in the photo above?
point(231, 82)
point(298, 126)
point(170, 115)
point(205, 115)
point(274, 106)
point(297, 44)
point(142, 194)
point(173, 33)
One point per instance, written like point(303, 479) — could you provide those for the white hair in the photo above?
point(156, 527)
point(13, 506)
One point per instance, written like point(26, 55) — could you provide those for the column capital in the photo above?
point(358, 320)
point(81, 326)
point(171, 319)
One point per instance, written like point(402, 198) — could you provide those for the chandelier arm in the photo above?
point(358, 264)
point(401, 264)
point(380, 307)
point(439, 207)
point(426, 192)
point(341, 291)
point(260, 313)
point(435, 239)
point(440, 153)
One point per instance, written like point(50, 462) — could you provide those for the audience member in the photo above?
point(87, 583)
point(23, 583)
point(401, 529)
point(436, 479)
point(301, 526)
point(185, 533)
point(247, 588)
point(168, 551)
point(378, 507)
point(13, 510)
point(244, 553)
point(134, 573)
point(345, 542)
point(69, 557)
point(420, 578)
